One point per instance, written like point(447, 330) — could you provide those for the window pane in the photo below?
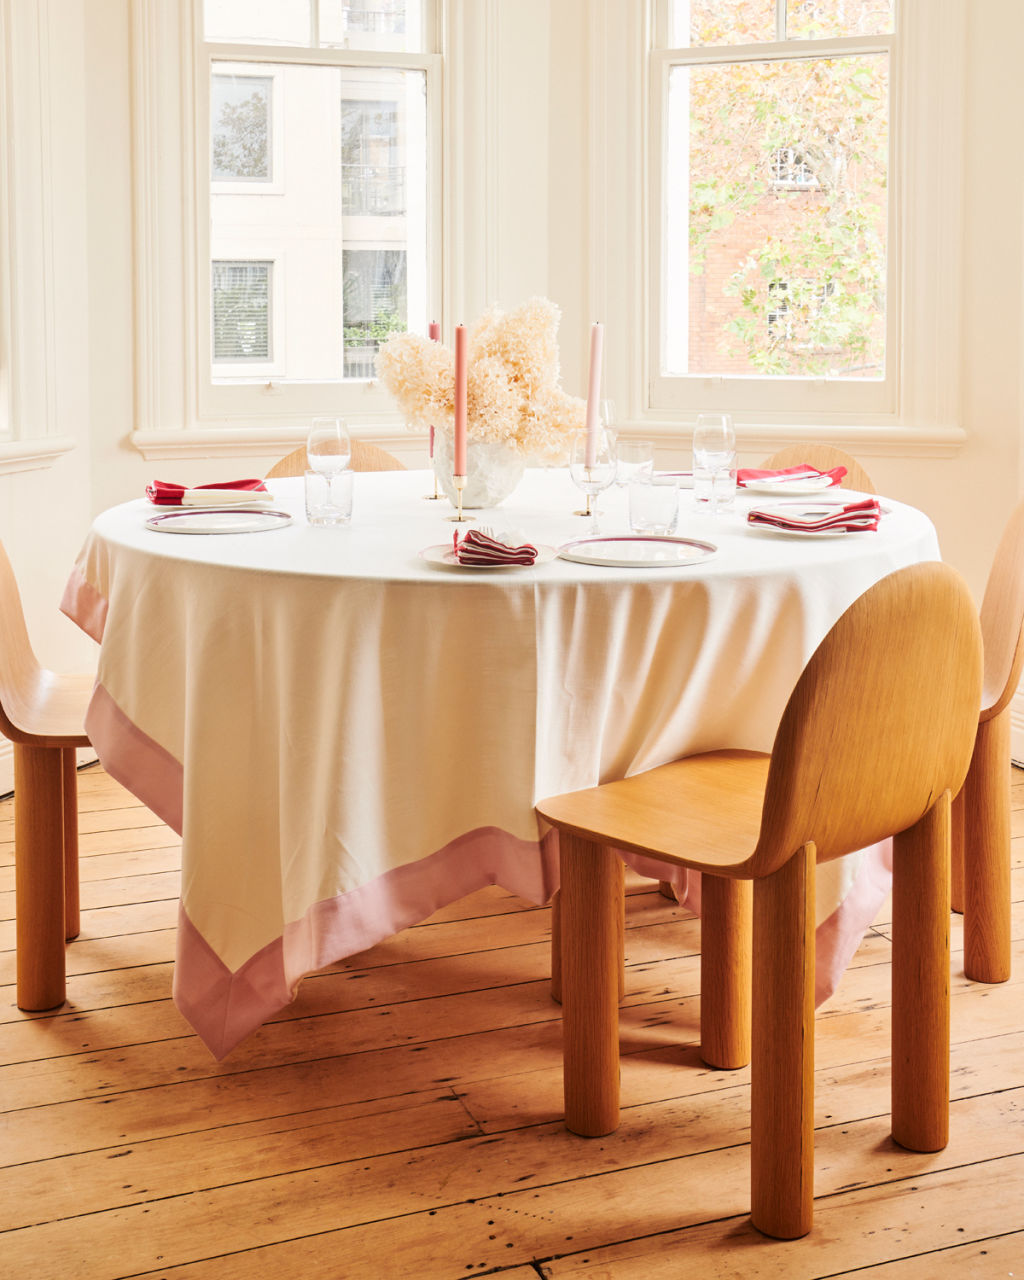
point(375, 305)
point(776, 216)
point(258, 21)
point(372, 24)
point(240, 121)
point(708, 22)
point(828, 19)
point(241, 310)
point(345, 221)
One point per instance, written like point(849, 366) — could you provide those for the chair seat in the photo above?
point(702, 812)
point(48, 710)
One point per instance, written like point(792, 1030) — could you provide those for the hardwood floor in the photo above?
point(402, 1117)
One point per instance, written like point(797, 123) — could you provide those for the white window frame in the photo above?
point(177, 404)
point(38, 367)
point(627, 77)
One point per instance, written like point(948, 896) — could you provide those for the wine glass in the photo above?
point(328, 446)
point(594, 473)
point(714, 456)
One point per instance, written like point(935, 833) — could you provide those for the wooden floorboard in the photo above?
point(403, 1117)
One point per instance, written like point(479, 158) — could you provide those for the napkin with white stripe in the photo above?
point(799, 517)
point(477, 548)
point(227, 493)
point(754, 475)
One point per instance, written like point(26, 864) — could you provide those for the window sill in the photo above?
point(33, 455)
point(273, 443)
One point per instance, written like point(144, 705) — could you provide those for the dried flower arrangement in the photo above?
point(513, 396)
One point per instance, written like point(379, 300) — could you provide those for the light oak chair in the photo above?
point(43, 715)
point(875, 741)
point(824, 457)
point(365, 457)
point(981, 812)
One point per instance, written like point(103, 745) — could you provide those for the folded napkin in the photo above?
point(482, 549)
point(749, 475)
point(816, 518)
point(165, 494)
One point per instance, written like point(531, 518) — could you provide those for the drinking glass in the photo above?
point(598, 475)
point(653, 504)
point(635, 460)
point(714, 460)
point(328, 446)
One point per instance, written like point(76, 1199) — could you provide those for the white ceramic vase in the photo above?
point(493, 471)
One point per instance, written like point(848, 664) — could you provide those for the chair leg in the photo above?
point(725, 941)
point(72, 914)
point(556, 939)
point(920, 982)
point(987, 854)
point(782, 1067)
point(591, 895)
point(39, 876)
point(956, 853)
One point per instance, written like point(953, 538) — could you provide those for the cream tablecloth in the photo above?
point(348, 737)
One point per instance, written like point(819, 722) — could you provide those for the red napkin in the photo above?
point(169, 495)
point(746, 475)
point(814, 518)
point(480, 549)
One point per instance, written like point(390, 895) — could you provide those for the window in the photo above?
point(311, 182)
point(774, 271)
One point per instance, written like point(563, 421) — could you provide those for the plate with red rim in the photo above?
point(442, 556)
point(638, 551)
point(218, 520)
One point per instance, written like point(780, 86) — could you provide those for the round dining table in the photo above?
point(349, 732)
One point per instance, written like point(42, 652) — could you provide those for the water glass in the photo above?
point(653, 504)
point(593, 473)
point(714, 460)
point(635, 460)
point(329, 498)
point(328, 446)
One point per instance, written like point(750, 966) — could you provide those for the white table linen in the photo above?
point(348, 737)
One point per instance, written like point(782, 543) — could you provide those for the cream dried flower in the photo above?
point(513, 394)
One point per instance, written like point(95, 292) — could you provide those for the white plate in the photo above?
point(632, 551)
point(816, 510)
point(443, 557)
point(813, 484)
point(210, 520)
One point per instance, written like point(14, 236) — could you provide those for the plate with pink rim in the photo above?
point(638, 551)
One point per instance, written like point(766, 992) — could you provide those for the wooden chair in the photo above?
point(365, 457)
point(981, 812)
point(824, 457)
point(43, 715)
point(875, 741)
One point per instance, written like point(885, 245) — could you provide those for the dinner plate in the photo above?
point(813, 484)
point(638, 551)
point(443, 557)
point(218, 520)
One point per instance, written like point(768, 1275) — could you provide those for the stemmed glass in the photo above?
point(328, 447)
point(714, 456)
point(596, 476)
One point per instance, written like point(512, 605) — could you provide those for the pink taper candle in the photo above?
point(594, 394)
point(460, 401)
point(434, 332)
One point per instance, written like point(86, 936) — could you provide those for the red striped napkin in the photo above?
point(481, 549)
point(748, 475)
point(165, 494)
point(818, 517)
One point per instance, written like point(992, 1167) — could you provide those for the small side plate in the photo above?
point(218, 520)
point(638, 551)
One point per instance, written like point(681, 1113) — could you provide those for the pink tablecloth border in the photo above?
point(224, 1007)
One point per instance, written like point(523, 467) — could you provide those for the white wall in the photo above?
point(524, 227)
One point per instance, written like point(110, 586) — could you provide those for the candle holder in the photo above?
point(432, 497)
point(460, 483)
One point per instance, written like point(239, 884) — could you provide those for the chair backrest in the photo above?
point(881, 722)
point(19, 671)
point(1002, 619)
point(365, 457)
point(824, 457)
